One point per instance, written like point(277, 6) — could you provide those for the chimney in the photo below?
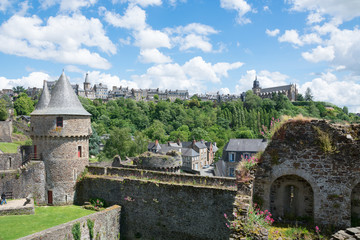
point(193, 143)
point(168, 143)
point(178, 142)
point(156, 142)
point(202, 140)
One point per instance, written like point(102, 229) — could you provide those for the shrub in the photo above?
point(76, 232)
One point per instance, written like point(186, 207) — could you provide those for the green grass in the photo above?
point(16, 226)
point(7, 147)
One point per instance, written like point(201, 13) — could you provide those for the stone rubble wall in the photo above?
point(158, 210)
point(162, 176)
point(106, 226)
point(6, 130)
point(296, 150)
point(29, 179)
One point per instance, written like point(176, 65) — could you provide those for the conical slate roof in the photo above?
point(44, 99)
point(63, 100)
point(87, 78)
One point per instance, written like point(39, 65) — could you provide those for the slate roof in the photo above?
point(44, 99)
point(274, 89)
point(246, 145)
point(87, 78)
point(197, 144)
point(189, 152)
point(63, 100)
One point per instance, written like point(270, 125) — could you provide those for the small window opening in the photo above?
point(79, 151)
point(59, 122)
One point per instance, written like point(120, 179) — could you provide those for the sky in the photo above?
point(204, 46)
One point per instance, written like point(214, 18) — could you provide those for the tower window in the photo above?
point(79, 151)
point(59, 122)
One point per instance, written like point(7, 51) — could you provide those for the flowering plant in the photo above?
point(274, 126)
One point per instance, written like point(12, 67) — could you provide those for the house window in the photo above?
point(196, 166)
point(246, 155)
point(59, 122)
point(79, 151)
point(231, 157)
point(231, 172)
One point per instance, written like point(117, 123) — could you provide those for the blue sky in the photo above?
point(199, 45)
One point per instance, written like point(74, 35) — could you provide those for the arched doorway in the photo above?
point(355, 206)
point(291, 198)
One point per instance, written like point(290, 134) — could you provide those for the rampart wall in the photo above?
point(29, 179)
point(106, 226)
point(221, 182)
point(154, 209)
point(6, 130)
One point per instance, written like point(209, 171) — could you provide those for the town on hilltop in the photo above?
point(301, 171)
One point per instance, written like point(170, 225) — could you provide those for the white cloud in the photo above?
point(266, 9)
point(35, 79)
point(133, 18)
point(314, 18)
point(272, 33)
point(153, 56)
point(341, 93)
point(72, 68)
point(193, 35)
point(142, 3)
point(266, 79)
point(96, 77)
point(74, 5)
point(224, 91)
point(241, 6)
point(193, 75)
point(174, 2)
point(319, 54)
point(61, 39)
point(4, 5)
point(67, 5)
point(291, 36)
point(149, 38)
point(344, 9)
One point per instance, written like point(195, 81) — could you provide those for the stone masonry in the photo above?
point(311, 169)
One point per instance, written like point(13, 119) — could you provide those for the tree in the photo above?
point(119, 143)
point(252, 101)
point(308, 95)
point(299, 97)
point(23, 105)
point(3, 110)
point(156, 97)
point(345, 110)
point(19, 89)
point(94, 143)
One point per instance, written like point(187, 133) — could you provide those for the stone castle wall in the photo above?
point(10, 161)
point(106, 226)
point(6, 130)
point(222, 182)
point(160, 210)
point(311, 169)
point(29, 179)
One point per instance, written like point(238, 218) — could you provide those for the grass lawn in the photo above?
point(16, 226)
point(7, 147)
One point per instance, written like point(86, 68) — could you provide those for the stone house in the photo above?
point(195, 154)
point(234, 151)
point(311, 170)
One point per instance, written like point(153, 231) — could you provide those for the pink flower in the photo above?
point(225, 215)
point(227, 225)
point(317, 229)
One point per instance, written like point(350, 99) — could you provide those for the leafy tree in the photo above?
point(119, 143)
point(139, 145)
point(3, 110)
point(345, 110)
point(19, 89)
point(156, 97)
point(94, 142)
point(299, 97)
point(252, 101)
point(308, 95)
point(23, 105)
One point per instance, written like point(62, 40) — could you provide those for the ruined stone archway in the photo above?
point(291, 197)
point(355, 206)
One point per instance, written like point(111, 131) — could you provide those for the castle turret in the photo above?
point(87, 83)
point(60, 131)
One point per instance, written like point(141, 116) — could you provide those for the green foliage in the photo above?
point(308, 95)
point(3, 110)
point(23, 105)
point(94, 142)
point(19, 89)
point(76, 231)
point(90, 225)
point(325, 142)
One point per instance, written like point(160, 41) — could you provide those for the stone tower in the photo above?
point(60, 130)
point(256, 87)
point(87, 85)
